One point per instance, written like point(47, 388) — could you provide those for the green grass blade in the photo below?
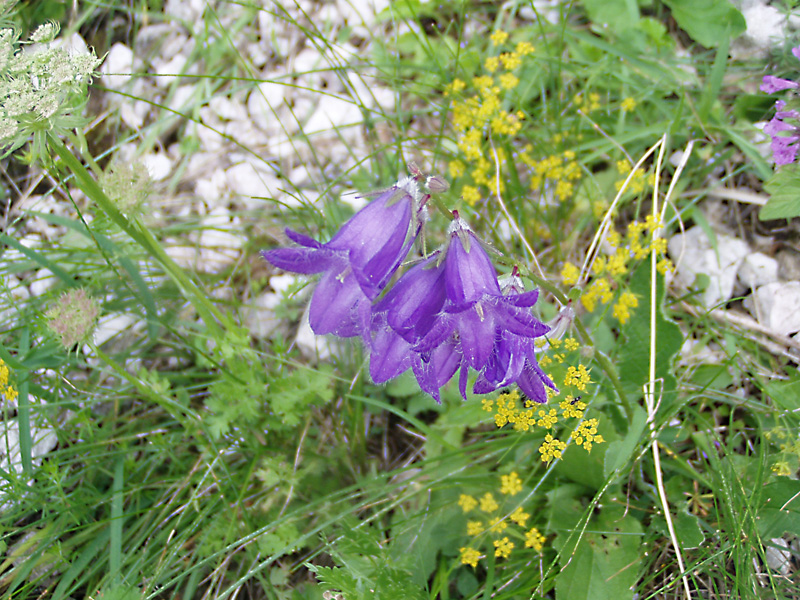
point(39, 259)
point(117, 518)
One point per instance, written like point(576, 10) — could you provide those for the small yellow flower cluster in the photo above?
point(503, 547)
point(522, 418)
point(638, 183)
point(569, 274)
point(470, 556)
point(557, 172)
point(510, 484)
point(782, 468)
point(599, 289)
point(789, 447)
point(572, 408)
point(534, 539)
point(591, 104)
point(621, 311)
point(8, 391)
point(628, 104)
point(497, 523)
point(606, 271)
point(467, 503)
point(577, 377)
point(586, 434)
point(547, 420)
point(508, 409)
point(488, 503)
point(551, 448)
point(569, 345)
point(482, 112)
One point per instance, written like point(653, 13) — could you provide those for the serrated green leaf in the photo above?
point(709, 22)
point(784, 190)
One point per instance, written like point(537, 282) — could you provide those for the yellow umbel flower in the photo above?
point(621, 311)
point(577, 377)
point(467, 503)
point(510, 484)
point(498, 37)
point(474, 528)
point(586, 434)
point(519, 516)
point(470, 556)
point(488, 503)
point(534, 539)
point(503, 547)
point(551, 448)
point(569, 274)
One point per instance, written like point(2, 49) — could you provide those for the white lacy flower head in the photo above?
point(43, 86)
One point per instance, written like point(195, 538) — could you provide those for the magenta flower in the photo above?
point(358, 262)
point(771, 84)
point(785, 134)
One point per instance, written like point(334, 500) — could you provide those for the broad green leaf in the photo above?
point(605, 562)
point(784, 190)
point(617, 14)
point(708, 22)
point(785, 394)
point(585, 467)
point(688, 531)
point(563, 510)
point(618, 453)
point(780, 512)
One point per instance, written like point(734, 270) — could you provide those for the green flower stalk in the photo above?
point(73, 317)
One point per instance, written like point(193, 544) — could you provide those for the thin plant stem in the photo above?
point(650, 386)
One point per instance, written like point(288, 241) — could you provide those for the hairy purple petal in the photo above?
point(433, 372)
point(771, 84)
point(414, 301)
point(302, 260)
point(358, 262)
point(391, 355)
point(338, 305)
point(469, 272)
point(477, 333)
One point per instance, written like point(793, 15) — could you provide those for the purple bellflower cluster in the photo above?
point(784, 128)
point(447, 312)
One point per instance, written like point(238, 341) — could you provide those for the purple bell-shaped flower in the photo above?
point(358, 262)
point(493, 332)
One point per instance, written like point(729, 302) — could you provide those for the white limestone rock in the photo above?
point(777, 306)
point(111, 325)
point(265, 105)
point(693, 254)
point(158, 165)
point(758, 269)
point(118, 67)
point(253, 182)
point(313, 347)
point(259, 316)
point(44, 440)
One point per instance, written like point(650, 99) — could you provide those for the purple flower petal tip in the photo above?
point(771, 84)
